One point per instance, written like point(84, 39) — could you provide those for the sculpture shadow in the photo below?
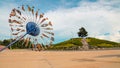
point(105, 56)
point(95, 60)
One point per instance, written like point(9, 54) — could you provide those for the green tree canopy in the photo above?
point(82, 32)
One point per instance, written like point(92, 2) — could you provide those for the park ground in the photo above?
point(60, 59)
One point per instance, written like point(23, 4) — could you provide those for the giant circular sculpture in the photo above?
point(27, 23)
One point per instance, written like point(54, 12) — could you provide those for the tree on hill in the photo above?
point(82, 32)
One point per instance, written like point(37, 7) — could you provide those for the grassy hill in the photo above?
point(75, 43)
point(71, 44)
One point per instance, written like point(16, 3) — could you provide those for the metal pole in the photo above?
point(13, 42)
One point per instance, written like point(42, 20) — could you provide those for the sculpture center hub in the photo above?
point(32, 29)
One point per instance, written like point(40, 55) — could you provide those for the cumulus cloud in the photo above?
point(98, 18)
point(4, 15)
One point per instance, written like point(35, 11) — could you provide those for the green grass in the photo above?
point(71, 44)
point(93, 42)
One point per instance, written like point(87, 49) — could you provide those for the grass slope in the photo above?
point(93, 42)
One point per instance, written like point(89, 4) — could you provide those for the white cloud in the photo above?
point(112, 37)
point(98, 18)
point(5, 10)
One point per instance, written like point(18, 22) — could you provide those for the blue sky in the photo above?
point(99, 17)
point(45, 5)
